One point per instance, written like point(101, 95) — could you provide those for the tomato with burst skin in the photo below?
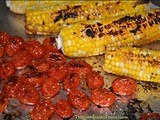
point(150, 116)
point(28, 94)
point(3, 102)
point(50, 88)
point(50, 44)
point(1, 50)
point(94, 80)
point(11, 86)
point(63, 108)
point(71, 82)
point(124, 86)
point(79, 99)
point(103, 97)
point(35, 48)
point(54, 58)
point(14, 45)
point(33, 78)
point(58, 73)
point(43, 110)
point(4, 38)
point(79, 66)
point(21, 59)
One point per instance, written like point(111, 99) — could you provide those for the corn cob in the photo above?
point(51, 20)
point(138, 63)
point(90, 38)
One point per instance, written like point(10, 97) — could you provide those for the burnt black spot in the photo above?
point(55, 57)
point(90, 33)
point(135, 30)
point(77, 65)
point(99, 24)
point(58, 18)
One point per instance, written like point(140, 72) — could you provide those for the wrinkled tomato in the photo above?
point(63, 108)
point(124, 86)
point(79, 66)
point(103, 97)
point(150, 116)
point(71, 82)
point(28, 94)
point(79, 99)
point(4, 38)
point(1, 50)
point(21, 59)
point(94, 80)
point(58, 73)
point(50, 88)
point(3, 102)
point(14, 45)
point(43, 110)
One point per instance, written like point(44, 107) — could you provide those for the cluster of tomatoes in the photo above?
point(34, 73)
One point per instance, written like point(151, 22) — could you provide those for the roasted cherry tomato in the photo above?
point(11, 86)
point(50, 88)
point(1, 50)
point(150, 116)
point(58, 73)
point(124, 86)
point(94, 80)
point(50, 44)
point(103, 97)
point(79, 66)
point(28, 95)
point(21, 59)
point(33, 78)
point(4, 38)
point(71, 82)
point(14, 45)
point(3, 102)
point(35, 48)
point(79, 99)
point(43, 110)
point(54, 58)
point(63, 108)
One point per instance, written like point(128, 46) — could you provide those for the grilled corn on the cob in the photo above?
point(138, 63)
point(90, 38)
point(51, 20)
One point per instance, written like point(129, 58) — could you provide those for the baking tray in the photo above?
point(146, 99)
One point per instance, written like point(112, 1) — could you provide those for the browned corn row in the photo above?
point(50, 20)
point(90, 38)
point(138, 63)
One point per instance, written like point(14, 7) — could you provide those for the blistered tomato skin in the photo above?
point(4, 38)
point(94, 80)
point(43, 110)
point(124, 86)
point(14, 45)
point(3, 102)
point(150, 116)
point(21, 59)
point(1, 50)
point(103, 97)
point(79, 99)
point(79, 66)
point(50, 88)
point(28, 95)
point(63, 108)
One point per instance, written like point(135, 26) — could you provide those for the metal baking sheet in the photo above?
point(146, 99)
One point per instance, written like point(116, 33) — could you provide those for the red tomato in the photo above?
point(35, 48)
point(54, 58)
point(71, 82)
point(50, 88)
point(28, 95)
point(150, 116)
point(94, 80)
point(14, 45)
point(124, 86)
point(43, 110)
point(103, 97)
point(1, 51)
point(50, 44)
point(12, 86)
point(21, 59)
point(3, 102)
point(58, 73)
point(4, 38)
point(33, 78)
point(79, 99)
point(63, 108)
point(79, 66)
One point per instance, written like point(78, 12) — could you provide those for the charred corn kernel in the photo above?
point(75, 11)
point(128, 56)
point(110, 32)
